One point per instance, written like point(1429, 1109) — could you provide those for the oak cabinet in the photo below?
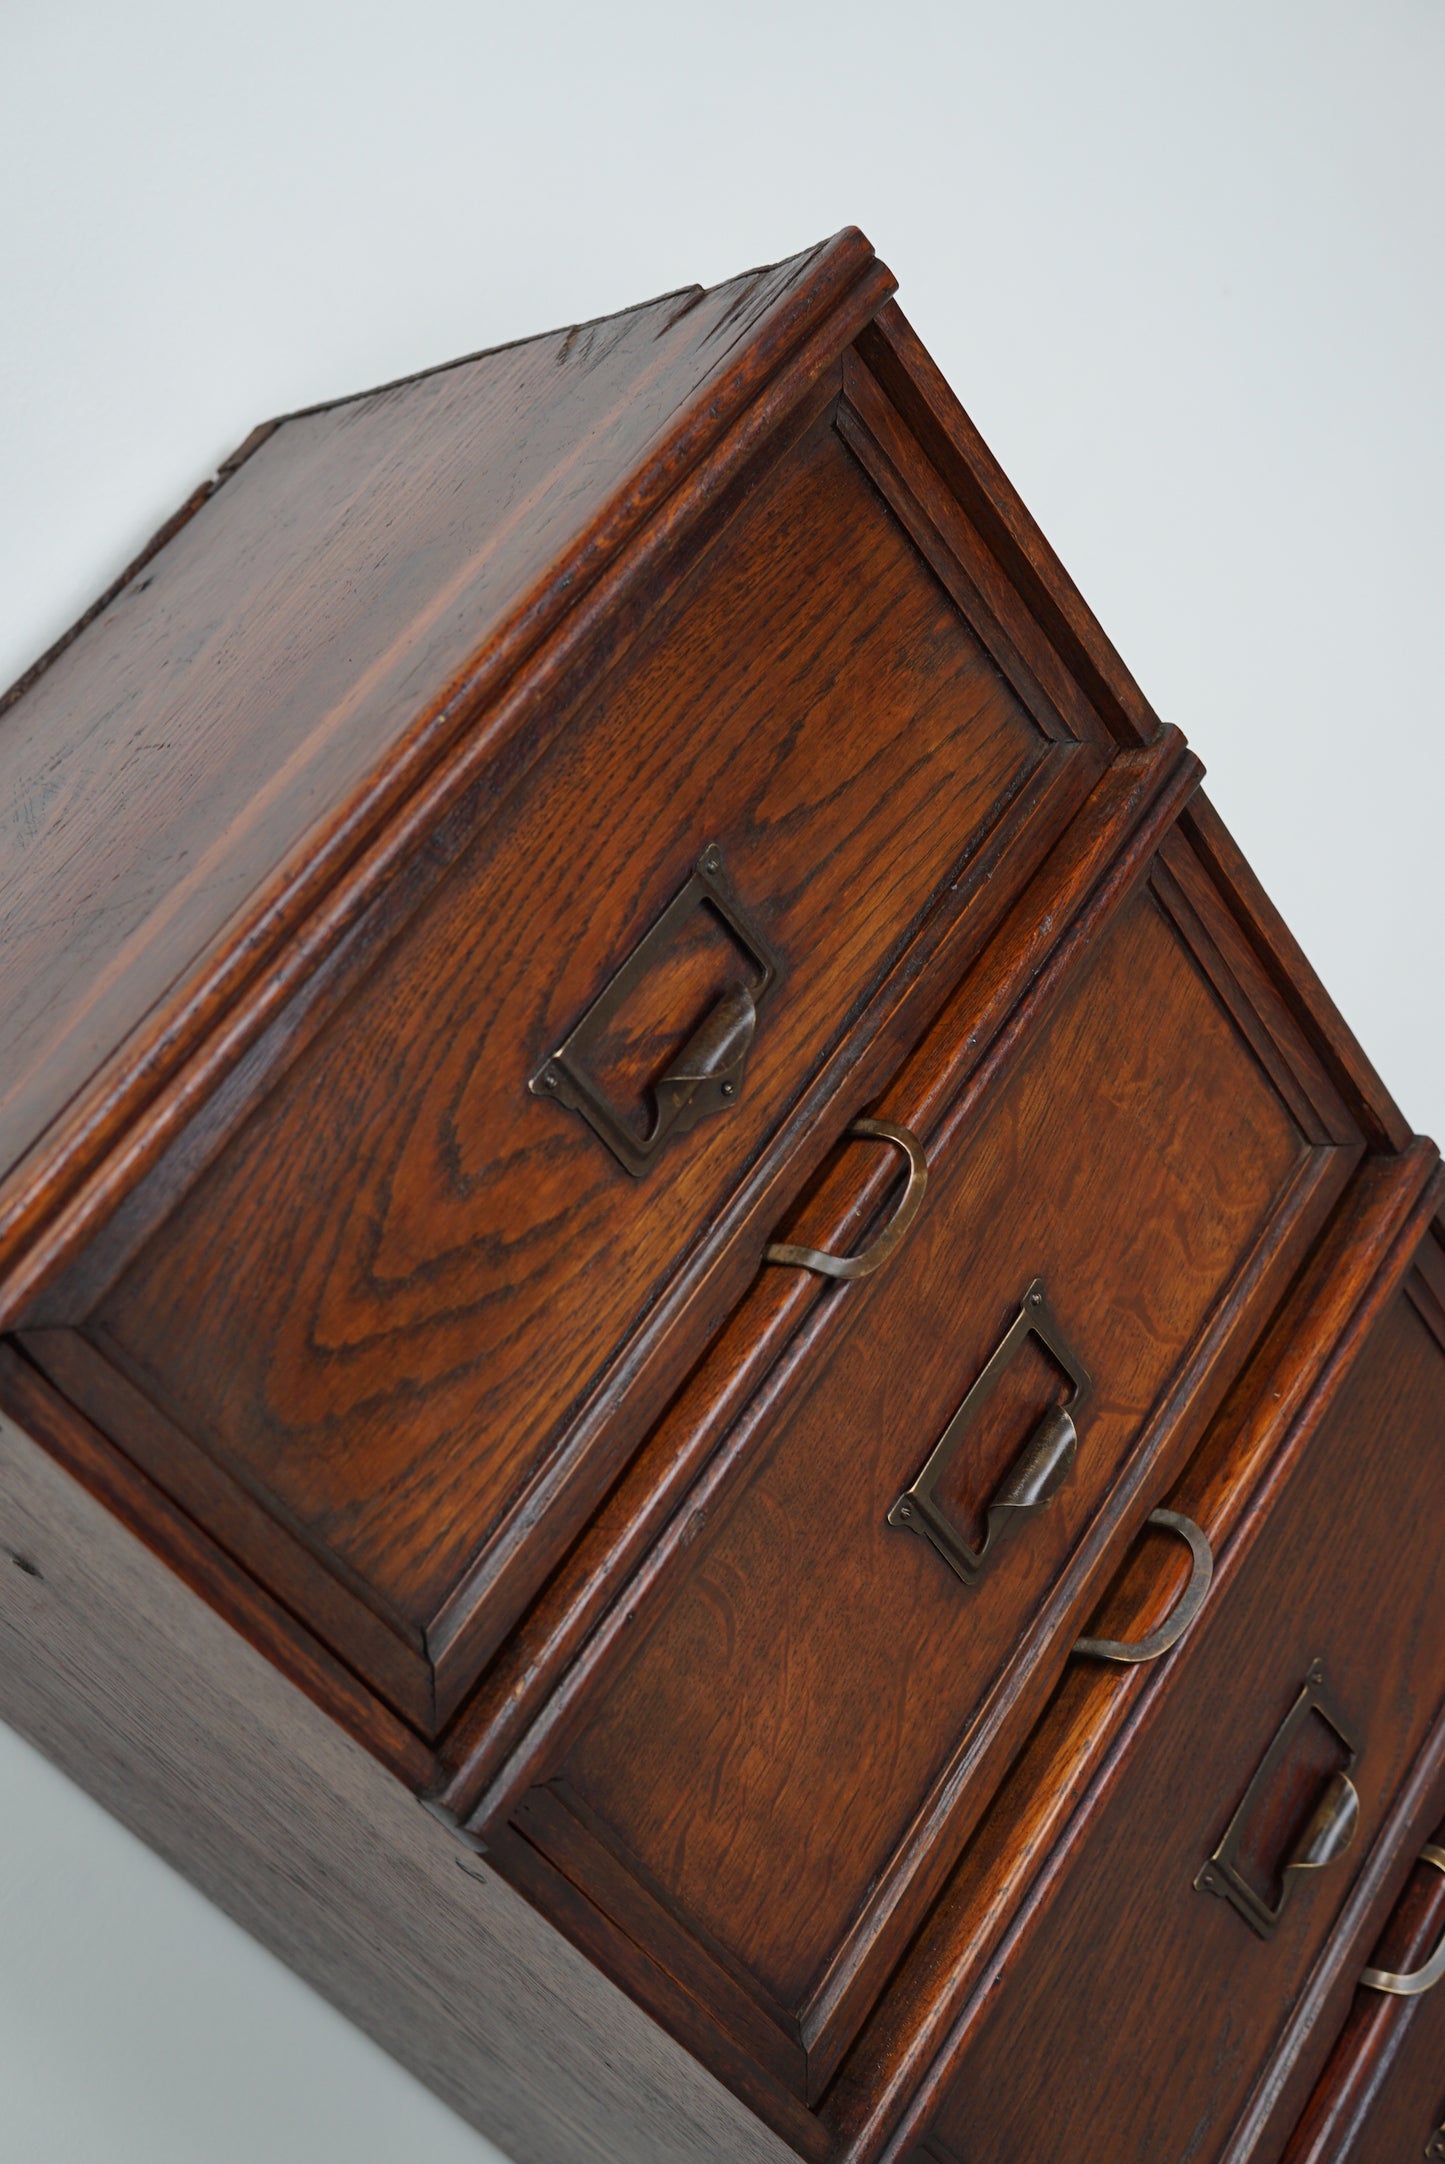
point(667, 1190)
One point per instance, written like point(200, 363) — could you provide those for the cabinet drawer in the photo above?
point(776, 807)
point(1381, 2099)
point(1319, 1662)
point(811, 1703)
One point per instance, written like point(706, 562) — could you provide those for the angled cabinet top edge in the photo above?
point(140, 1081)
point(759, 342)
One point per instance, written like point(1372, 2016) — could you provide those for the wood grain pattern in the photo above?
point(1358, 1515)
point(1105, 845)
point(389, 1374)
point(1045, 1811)
point(318, 834)
point(784, 1765)
point(225, 736)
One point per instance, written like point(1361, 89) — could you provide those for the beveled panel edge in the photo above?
point(49, 1419)
point(333, 1602)
point(891, 456)
point(1281, 956)
point(896, 355)
point(634, 1969)
point(905, 2054)
point(580, 1845)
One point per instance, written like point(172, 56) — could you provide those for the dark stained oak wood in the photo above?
point(371, 1439)
point(141, 1693)
point(1106, 844)
point(1026, 565)
point(1358, 1515)
point(317, 614)
point(1046, 1807)
point(789, 1764)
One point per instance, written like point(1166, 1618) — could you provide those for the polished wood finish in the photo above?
point(372, 1437)
point(793, 1757)
point(1127, 1963)
point(313, 630)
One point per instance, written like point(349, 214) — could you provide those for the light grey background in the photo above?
point(1181, 262)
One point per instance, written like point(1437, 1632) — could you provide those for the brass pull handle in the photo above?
point(706, 1076)
point(1417, 1981)
point(708, 1072)
point(1326, 1836)
point(1036, 1475)
point(894, 1233)
point(1180, 1616)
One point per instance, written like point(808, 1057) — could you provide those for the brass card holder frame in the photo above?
point(1330, 1830)
point(706, 1075)
point(1037, 1474)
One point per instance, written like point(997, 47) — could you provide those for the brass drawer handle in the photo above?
point(706, 1075)
point(1330, 1830)
point(894, 1233)
point(1418, 1981)
point(1036, 1475)
point(1180, 1616)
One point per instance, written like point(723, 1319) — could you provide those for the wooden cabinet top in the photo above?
point(240, 716)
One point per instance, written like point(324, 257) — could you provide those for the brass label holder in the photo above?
point(706, 1075)
point(1330, 1830)
point(1037, 1474)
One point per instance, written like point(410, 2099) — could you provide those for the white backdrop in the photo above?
point(1182, 263)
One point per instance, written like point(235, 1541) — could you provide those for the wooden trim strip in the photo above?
point(892, 350)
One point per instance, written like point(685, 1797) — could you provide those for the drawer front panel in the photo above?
point(780, 1774)
point(1129, 1964)
point(426, 1265)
